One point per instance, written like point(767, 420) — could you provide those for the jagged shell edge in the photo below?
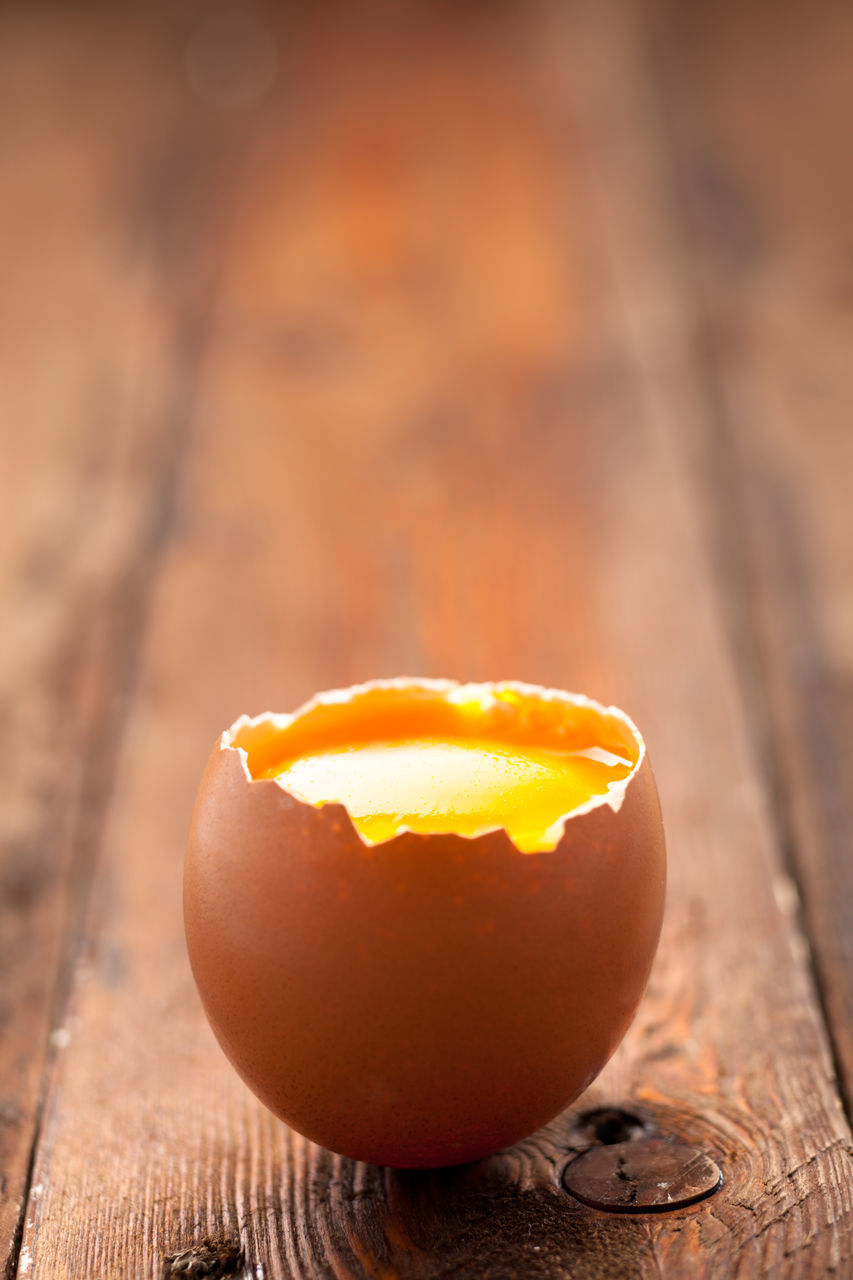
point(613, 798)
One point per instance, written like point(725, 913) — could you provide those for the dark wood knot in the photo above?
point(609, 1125)
point(210, 1259)
point(646, 1175)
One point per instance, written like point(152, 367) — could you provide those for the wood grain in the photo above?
point(768, 219)
point(95, 370)
point(439, 411)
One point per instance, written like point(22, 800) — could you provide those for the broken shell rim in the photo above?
point(613, 798)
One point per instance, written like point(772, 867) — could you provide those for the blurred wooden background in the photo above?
point(481, 339)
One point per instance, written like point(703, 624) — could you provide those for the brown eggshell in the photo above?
point(427, 1000)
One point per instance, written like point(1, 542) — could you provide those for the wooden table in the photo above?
point(482, 338)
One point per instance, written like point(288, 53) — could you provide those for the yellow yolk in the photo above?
point(436, 785)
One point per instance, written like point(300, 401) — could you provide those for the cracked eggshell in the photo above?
point(430, 999)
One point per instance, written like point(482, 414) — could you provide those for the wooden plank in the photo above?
point(94, 370)
point(761, 136)
point(435, 431)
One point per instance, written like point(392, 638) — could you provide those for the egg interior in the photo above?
point(461, 760)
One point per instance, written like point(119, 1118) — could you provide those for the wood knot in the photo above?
point(646, 1175)
point(210, 1259)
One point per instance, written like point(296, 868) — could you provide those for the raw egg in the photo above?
point(421, 914)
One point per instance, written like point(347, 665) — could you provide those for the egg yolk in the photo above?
point(439, 785)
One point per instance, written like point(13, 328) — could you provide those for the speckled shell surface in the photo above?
point(427, 1000)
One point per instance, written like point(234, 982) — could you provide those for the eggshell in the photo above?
point(430, 999)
